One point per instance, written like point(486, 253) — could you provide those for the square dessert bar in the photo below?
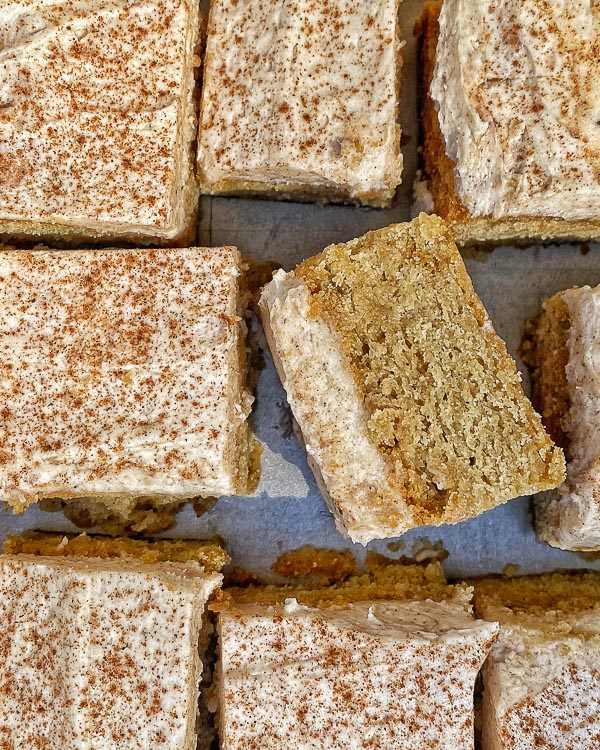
point(122, 376)
point(562, 347)
point(98, 123)
point(541, 677)
point(335, 668)
point(102, 651)
point(410, 407)
point(510, 119)
point(300, 101)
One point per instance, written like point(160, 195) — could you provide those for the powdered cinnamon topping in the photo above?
point(96, 113)
point(516, 86)
point(541, 678)
point(375, 674)
point(302, 94)
point(99, 653)
point(120, 373)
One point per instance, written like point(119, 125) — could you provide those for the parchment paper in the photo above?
point(287, 511)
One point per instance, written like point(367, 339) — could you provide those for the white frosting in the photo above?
point(540, 681)
point(517, 89)
point(302, 93)
point(290, 606)
point(583, 376)
point(422, 198)
point(570, 518)
point(326, 404)
point(97, 113)
point(119, 373)
point(428, 620)
point(100, 654)
point(380, 674)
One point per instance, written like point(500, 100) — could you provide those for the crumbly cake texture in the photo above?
point(562, 348)
point(545, 350)
point(568, 592)
point(382, 579)
point(301, 101)
point(541, 678)
point(81, 665)
point(311, 564)
point(381, 325)
point(208, 554)
point(123, 376)
point(98, 127)
point(118, 516)
point(507, 155)
point(369, 675)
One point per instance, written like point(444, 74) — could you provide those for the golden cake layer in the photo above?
point(411, 409)
point(382, 579)
point(209, 555)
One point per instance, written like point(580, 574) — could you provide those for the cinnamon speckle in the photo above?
point(121, 373)
point(87, 648)
point(300, 76)
point(96, 109)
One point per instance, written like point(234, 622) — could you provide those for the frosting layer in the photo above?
point(332, 418)
point(516, 84)
point(302, 93)
point(380, 674)
point(120, 373)
point(96, 113)
point(100, 654)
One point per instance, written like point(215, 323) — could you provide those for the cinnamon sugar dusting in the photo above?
point(97, 114)
point(99, 653)
point(120, 373)
point(371, 675)
point(302, 93)
point(541, 678)
point(523, 125)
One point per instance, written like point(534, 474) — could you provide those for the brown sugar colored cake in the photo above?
point(209, 555)
point(410, 407)
point(360, 667)
point(122, 377)
point(382, 579)
point(301, 101)
point(511, 152)
point(541, 677)
point(98, 123)
point(103, 651)
point(562, 348)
